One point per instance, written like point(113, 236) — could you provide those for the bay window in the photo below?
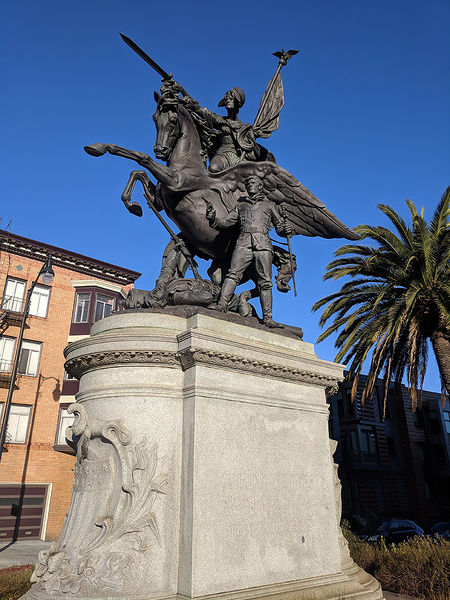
point(81, 310)
point(104, 306)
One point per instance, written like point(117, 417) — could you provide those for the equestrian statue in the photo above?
point(224, 191)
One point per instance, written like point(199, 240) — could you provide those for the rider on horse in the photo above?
point(227, 140)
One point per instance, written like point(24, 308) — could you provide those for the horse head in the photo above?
point(168, 128)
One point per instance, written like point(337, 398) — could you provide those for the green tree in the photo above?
point(398, 298)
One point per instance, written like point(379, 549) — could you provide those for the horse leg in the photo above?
point(135, 207)
point(162, 173)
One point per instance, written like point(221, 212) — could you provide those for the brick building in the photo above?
point(399, 467)
point(36, 471)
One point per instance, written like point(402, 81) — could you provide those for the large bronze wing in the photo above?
point(306, 214)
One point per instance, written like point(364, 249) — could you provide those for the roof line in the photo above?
point(23, 246)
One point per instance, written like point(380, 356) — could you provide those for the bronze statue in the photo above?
point(184, 184)
point(255, 215)
point(232, 140)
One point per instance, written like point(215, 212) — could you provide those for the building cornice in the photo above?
point(16, 244)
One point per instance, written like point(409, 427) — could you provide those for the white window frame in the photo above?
point(40, 299)
point(105, 301)
point(11, 299)
point(18, 423)
point(68, 377)
point(65, 420)
point(7, 345)
point(75, 308)
point(32, 358)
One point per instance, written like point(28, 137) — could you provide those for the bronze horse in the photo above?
point(185, 186)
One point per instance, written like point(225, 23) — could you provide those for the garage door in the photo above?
point(21, 511)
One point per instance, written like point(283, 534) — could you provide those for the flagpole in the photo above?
point(283, 58)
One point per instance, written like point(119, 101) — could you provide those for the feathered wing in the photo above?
point(306, 214)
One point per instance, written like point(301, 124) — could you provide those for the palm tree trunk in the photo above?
point(440, 341)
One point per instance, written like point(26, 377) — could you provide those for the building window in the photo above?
point(81, 311)
point(13, 294)
point(379, 394)
point(65, 420)
point(391, 447)
point(434, 423)
point(104, 306)
point(19, 417)
point(29, 358)
point(368, 441)
point(350, 406)
point(6, 353)
point(447, 420)
point(39, 301)
point(68, 377)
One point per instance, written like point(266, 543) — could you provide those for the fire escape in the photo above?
point(7, 318)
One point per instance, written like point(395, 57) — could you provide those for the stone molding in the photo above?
point(193, 356)
point(229, 395)
point(82, 364)
point(190, 357)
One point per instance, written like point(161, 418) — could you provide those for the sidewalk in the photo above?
point(21, 553)
point(392, 596)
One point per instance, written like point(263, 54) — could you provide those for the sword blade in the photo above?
point(145, 56)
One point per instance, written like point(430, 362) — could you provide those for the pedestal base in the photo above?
point(204, 467)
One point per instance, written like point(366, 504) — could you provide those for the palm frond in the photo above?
point(396, 293)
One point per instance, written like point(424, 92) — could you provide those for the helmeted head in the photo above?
point(253, 185)
point(234, 98)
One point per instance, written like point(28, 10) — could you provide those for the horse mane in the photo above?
point(206, 134)
point(189, 137)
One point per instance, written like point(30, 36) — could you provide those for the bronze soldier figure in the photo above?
point(256, 216)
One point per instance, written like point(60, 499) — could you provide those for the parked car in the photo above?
point(441, 529)
point(395, 531)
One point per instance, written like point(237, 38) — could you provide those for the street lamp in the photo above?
point(47, 274)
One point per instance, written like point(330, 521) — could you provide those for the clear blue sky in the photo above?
point(366, 118)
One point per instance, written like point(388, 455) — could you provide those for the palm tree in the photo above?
point(397, 300)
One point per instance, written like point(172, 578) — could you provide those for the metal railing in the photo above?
point(13, 303)
point(5, 365)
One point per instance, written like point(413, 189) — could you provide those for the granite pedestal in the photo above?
point(204, 468)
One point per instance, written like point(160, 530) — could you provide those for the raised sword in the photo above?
point(145, 57)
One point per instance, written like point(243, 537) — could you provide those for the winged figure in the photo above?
point(185, 188)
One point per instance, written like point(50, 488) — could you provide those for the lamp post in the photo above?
point(47, 274)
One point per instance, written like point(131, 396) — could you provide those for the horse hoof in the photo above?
point(96, 149)
point(135, 208)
